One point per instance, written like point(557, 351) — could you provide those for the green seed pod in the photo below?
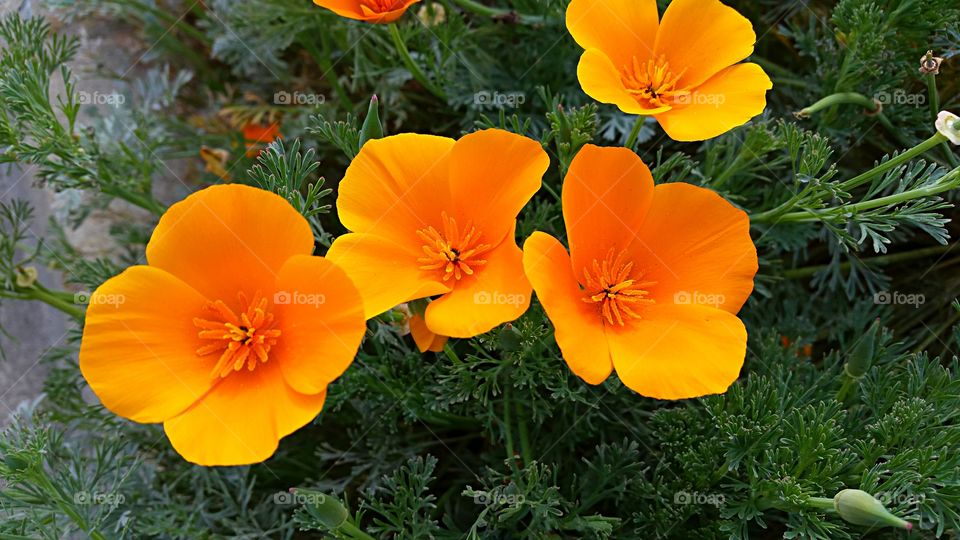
point(861, 357)
point(326, 508)
point(371, 129)
point(511, 340)
point(861, 508)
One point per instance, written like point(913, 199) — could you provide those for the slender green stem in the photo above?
point(934, 96)
point(841, 98)
point(508, 436)
point(635, 132)
point(411, 65)
point(54, 299)
point(807, 271)
point(821, 503)
point(488, 11)
point(451, 354)
point(353, 531)
point(848, 383)
point(524, 436)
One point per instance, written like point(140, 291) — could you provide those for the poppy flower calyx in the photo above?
point(241, 340)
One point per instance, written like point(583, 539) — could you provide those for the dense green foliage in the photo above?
point(495, 437)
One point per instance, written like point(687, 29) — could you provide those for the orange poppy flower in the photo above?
point(373, 11)
point(652, 282)
point(423, 337)
point(433, 216)
point(682, 69)
point(258, 136)
point(230, 334)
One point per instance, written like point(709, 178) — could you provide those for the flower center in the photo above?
point(239, 340)
point(652, 83)
point(370, 7)
point(611, 284)
point(456, 253)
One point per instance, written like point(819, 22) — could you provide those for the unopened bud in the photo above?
point(511, 340)
point(371, 128)
point(26, 276)
point(861, 508)
point(861, 357)
point(325, 508)
point(948, 124)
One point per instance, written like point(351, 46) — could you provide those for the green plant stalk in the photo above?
point(508, 436)
point(411, 65)
point(635, 132)
point(55, 299)
point(807, 271)
point(487, 11)
point(840, 98)
point(524, 437)
point(352, 531)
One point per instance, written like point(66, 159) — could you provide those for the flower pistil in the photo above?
point(240, 340)
point(652, 82)
point(457, 254)
point(609, 284)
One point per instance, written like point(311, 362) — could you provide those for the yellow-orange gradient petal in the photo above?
point(701, 37)
point(320, 314)
point(679, 352)
point(601, 80)
point(229, 238)
point(496, 294)
point(374, 11)
point(396, 185)
point(727, 100)
point(493, 174)
point(606, 194)
point(696, 246)
point(621, 29)
point(385, 272)
point(425, 339)
point(577, 327)
point(138, 352)
point(241, 420)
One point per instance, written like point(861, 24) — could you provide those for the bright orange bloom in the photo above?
point(373, 11)
point(433, 216)
point(231, 333)
point(682, 70)
point(653, 280)
point(423, 337)
point(258, 136)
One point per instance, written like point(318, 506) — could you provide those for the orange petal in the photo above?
point(423, 337)
point(697, 247)
point(138, 352)
point(320, 315)
point(679, 352)
point(497, 293)
point(493, 174)
point(355, 9)
point(605, 197)
point(621, 29)
point(701, 37)
point(729, 99)
point(577, 326)
point(229, 238)
point(385, 272)
point(396, 186)
point(600, 80)
point(241, 420)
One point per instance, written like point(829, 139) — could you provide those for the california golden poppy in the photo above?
point(433, 216)
point(652, 282)
point(373, 11)
point(257, 136)
point(682, 69)
point(423, 337)
point(230, 334)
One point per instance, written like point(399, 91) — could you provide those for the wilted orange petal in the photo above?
point(606, 195)
point(577, 327)
point(702, 37)
point(729, 99)
point(679, 352)
point(621, 29)
point(229, 238)
point(385, 272)
point(493, 174)
point(497, 293)
point(425, 339)
point(138, 352)
point(241, 420)
point(320, 314)
point(697, 247)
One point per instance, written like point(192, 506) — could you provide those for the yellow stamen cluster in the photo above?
point(240, 340)
point(652, 82)
point(455, 253)
point(608, 282)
